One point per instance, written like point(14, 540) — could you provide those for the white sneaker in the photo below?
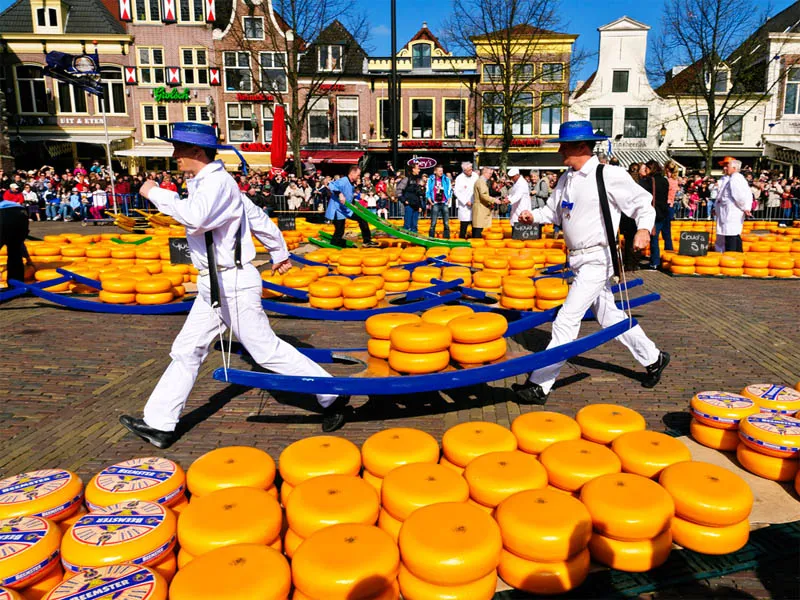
point(57, 218)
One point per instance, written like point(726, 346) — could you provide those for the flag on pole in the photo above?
point(82, 71)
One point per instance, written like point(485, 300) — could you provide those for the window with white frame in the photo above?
point(635, 123)
point(194, 66)
point(253, 28)
point(552, 72)
point(732, 128)
point(330, 58)
point(318, 117)
point(70, 99)
point(46, 18)
point(602, 120)
point(455, 117)
point(522, 115)
point(347, 114)
point(493, 109)
point(619, 82)
point(191, 11)
point(492, 72)
point(240, 123)
point(422, 118)
point(266, 122)
point(148, 10)
point(697, 126)
point(551, 113)
point(273, 71)
point(197, 113)
point(155, 120)
point(31, 88)
point(237, 71)
point(791, 103)
point(151, 65)
point(113, 92)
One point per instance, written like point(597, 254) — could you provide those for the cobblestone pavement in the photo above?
point(66, 376)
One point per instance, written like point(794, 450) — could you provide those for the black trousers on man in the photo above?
point(464, 225)
point(477, 233)
point(338, 231)
point(13, 231)
point(733, 243)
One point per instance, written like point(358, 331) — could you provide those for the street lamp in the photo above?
point(662, 134)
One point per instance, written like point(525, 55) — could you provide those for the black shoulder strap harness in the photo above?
point(613, 244)
point(213, 280)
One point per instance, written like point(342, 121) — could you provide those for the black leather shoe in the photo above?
point(159, 439)
point(333, 416)
point(370, 245)
point(653, 374)
point(529, 393)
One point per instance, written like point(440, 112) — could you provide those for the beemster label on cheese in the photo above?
point(118, 523)
point(117, 582)
point(135, 475)
point(20, 534)
point(35, 484)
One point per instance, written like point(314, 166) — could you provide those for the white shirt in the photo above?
point(582, 222)
point(733, 199)
point(216, 204)
point(99, 198)
point(520, 198)
point(464, 191)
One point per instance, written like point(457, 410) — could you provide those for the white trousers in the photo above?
point(591, 289)
point(240, 297)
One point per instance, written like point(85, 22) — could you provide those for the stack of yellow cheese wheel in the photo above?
point(120, 582)
point(495, 476)
point(29, 552)
point(711, 507)
point(442, 315)
point(136, 287)
point(53, 494)
point(466, 441)
point(325, 295)
point(486, 281)
point(235, 515)
point(315, 456)
point(231, 466)
point(774, 399)
point(327, 500)
point(422, 277)
point(239, 571)
point(391, 448)
point(573, 463)
point(375, 280)
point(647, 453)
point(545, 537)
point(519, 293)
point(418, 348)
point(360, 296)
point(682, 265)
point(274, 278)
point(603, 423)
point(551, 292)
point(770, 445)
point(631, 516)
point(346, 561)
point(478, 338)
point(396, 280)
point(153, 479)
point(535, 431)
point(135, 531)
point(410, 487)
point(716, 416)
point(379, 327)
point(449, 550)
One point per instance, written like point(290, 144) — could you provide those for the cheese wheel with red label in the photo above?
point(28, 550)
point(772, 398)
point(153, 479)
point(722, 410)
point(50, 493)
point(115, 582)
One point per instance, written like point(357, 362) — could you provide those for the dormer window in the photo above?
point(47, 20)
point(330, 58)
point(421, 56)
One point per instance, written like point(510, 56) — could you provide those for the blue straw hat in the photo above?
point(577, 131)
point(198, 134)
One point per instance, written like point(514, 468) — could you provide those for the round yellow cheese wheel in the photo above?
point(242, 571)
point(478, 328)
point(722, 410)
point(475, 354)
point(231, 466)
point(392, 448)
point(153, 478)
point(360, 303)
point(648, 453)
point(325, 303)
point(318, 455)
point(495, 476)
point(517, 303)
point(120, 285)
point(772, 398)
point(229, 516)
point(450, 543)
point(570, 464)
point(379, 348)
point(544, 578)
point(184, 558)
point(153, 285)
point(710, 540)
point(390, 593)
point(712, 437)
point(420, 337)
point(418, 363)
point(380, 326)
point(537, 430)
point(442, 315)
point(627, 507)
point(389, 524)
point(772, 434)
point(50, 493)
point(466, 441)
point(28, 550)
point(135, 532)
point(113, 582)
point(9, 594)
point(396, 275)
point(346, 561)
point(359, 290)
point(410, 487)
point(551, 288)
point(768, 467)
point(602, 423)
point(329, 499)
point(321, 289)
point(633, 557)
point(707, 494)
point(291, 542)
point(50, 579)
point(70, 520)
point(414, 588)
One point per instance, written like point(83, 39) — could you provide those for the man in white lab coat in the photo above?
point(734, 201)
point(519, 196)
point(464, 190)
point(216, 206)
point(575, 206)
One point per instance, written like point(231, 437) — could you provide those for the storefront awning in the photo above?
point(255, 160)
point(628, 157)
point(161, 151)
point(332, 157)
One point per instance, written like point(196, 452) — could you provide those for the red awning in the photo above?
point(332, 157)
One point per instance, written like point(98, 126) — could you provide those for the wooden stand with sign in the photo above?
point(526, 231)
point(179, 251)
point(693, 243)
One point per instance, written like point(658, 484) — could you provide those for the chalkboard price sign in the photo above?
point(286, 223)
point(523, 231)
point(179, 251)
point(693, 243)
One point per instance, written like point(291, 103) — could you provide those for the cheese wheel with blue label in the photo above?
point(28, 550)
point(721, 410)
point(9, 594)
point(770, 398)
point(772, 434)
point(114, 582)
point(136, 532)
point(51, 493)
point(232, 466)
point(151, 479)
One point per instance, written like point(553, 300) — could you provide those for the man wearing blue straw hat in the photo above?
point(219, 222)
point(587, 203)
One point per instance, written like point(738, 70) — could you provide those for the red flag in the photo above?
point(277, 148)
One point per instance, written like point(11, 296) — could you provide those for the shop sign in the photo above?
point(80, 121)
point(259, 97)
point(331, 87)
point(423, 162)
point(254, 147)
point(422, 144)
point(630, 144)
point(526, 143)
point(162, 94)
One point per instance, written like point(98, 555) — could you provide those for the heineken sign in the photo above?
point(161, 94)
